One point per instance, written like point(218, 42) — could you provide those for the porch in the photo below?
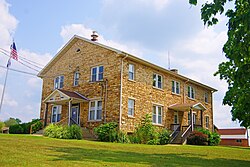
point(65, 107)
point(191, 118)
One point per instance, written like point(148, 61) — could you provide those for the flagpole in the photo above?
point(5, 81)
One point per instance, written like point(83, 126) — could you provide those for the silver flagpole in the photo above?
point(1, 104)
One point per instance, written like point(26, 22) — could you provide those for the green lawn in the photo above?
point(26, 150)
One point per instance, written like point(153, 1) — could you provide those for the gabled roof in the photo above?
point(59, 95)
point(233, 131)
point(73, 40)
point(187, 107)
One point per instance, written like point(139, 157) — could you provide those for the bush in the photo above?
point(122, 137)
point(37, 126)
point(197, 138)
point(107, 132)
point(146, 131)
point(16, 129)
point(63, 132)
point(164, 137)
point(213, 137)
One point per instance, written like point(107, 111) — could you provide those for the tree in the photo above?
point(10, 122)
point(236, 70)
point(1, 125)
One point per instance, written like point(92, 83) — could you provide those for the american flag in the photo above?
point(13, 52)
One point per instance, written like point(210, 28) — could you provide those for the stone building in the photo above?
point(88, 83)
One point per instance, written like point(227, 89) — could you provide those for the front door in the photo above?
point(75, 114)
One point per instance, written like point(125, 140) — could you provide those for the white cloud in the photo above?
point(8, 24)
point(7, 100)
point(206, 41)
point(68, 31)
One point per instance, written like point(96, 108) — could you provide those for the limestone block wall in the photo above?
point(90, 56)
point(145, 96)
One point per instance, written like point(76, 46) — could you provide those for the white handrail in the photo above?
point(186, 130)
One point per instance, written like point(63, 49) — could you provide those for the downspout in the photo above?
point(184, 90)
point(70, 100)
point(106, 100)
point(121, 79)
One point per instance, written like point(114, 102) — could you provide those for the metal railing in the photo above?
point(175, 133)
point(186, 133)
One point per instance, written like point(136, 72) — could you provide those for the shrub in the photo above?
point(146, 131)
point(37, 126)
point(213, 137)
point(107, 132)
point(164, 137)
point(153, 142)
point(197, 138)
point(16, 129)
point(63, 132)
point(122, 137)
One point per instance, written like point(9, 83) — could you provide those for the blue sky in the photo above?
point(149, 29)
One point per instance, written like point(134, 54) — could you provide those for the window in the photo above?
point(191, 92)
point(131, 107)
point(157, 81)
point(207, 121)
point(238, 140)
point(76, 78)
point(175, 87)
point(206, 97)
point(56, 114)
point(131, 71)
point(97, 73)
point(176, 121)
point(157, 114)
point(58, 82)
point(95, 110)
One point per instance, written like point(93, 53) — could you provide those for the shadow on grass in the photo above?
point(116, 157)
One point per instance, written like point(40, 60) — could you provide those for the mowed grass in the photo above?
point(27, 150)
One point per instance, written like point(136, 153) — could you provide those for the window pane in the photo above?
point(99, 114)
point(154, 110)
point(99, 104)
point(100, 75)
point(154, 80)
point(61, 81)
point(189, 94)
point(159, 119)
point(159, 81)
point(58, 117)
point(94, 71)
point(173, 86)
point(131, 75)
point(177, 88)
point(91, 114)
point(131, 68)
point(154, 118)
point(131, 107)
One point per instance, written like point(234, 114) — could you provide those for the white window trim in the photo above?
point(175, 87)
point(131, 71)
point(190, 94)
point(97, 73)
point(133, 111)
point(157, 86)
point(157, 114)
point(95, 111)
point(58, 111)
point(76, 72)
point(59, 81)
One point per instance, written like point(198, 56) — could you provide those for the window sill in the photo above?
point(158, 88)
point(95, 81)
point(130, 116)
point(158, 125)
point(131, 80)
point(191, 98)
point(176, 94)
point(98, 120)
